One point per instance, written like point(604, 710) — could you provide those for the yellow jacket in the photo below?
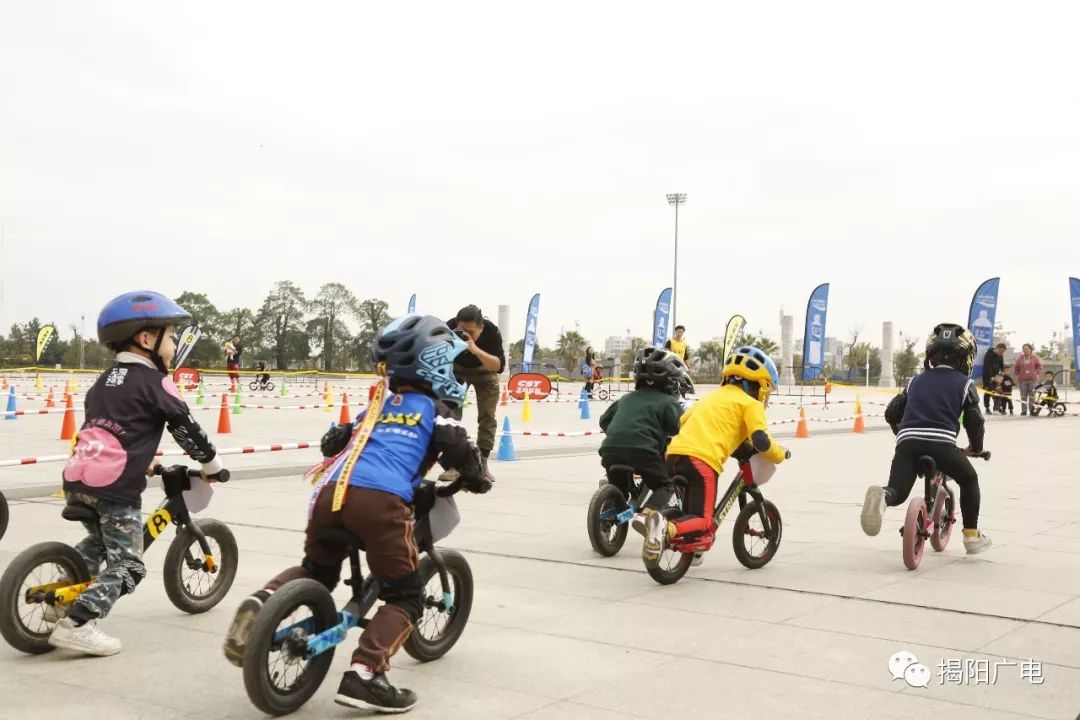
point(718, 423)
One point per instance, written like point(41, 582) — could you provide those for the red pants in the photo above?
point(700, 495)
point(233, 377)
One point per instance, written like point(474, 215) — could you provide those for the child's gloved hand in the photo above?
point(335, 440)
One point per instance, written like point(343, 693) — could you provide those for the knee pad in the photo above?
point(406, 592)
point(328, 575)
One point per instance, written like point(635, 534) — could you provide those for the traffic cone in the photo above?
point(284, 392)
point(344, 418)
point(506, 443)
point(238, 403)
point(328, 400)
point(224, 423)
point(526, 410)
point(49, 402)
point(584, 403)
point(37, 382)
point(3, 379)
point(802, 431)
point(860, 424)
point(371, 393)
point(199, 394)
point(505, 398)
point(74, 384)
point(11, 405)
point(67, 430)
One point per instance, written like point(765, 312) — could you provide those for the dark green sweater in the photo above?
point(641, 420)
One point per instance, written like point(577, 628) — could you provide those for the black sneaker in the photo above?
point(374, 694)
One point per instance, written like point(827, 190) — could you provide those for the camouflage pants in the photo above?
point(115, 541)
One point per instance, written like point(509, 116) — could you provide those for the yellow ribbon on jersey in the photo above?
point(362, 435)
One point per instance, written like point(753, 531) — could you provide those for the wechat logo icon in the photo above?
point(905, 666)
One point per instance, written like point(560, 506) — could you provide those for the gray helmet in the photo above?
point(420, 350)
point(661, 369)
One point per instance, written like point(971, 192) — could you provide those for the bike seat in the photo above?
point(338, 535)
point(926, 466)
point(79, 512)
point(621, 471)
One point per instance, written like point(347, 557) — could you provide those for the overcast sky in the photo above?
point(482, 152)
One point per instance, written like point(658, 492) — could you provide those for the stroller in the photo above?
point(261, 381)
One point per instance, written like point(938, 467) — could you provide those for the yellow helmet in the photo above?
point(753, 366)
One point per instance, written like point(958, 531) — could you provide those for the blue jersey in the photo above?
point(413, 430)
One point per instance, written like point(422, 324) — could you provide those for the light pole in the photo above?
point(675, 199)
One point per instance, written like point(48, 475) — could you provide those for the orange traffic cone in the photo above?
point(860, 424)
point(505, 398)
point(224, 423)
point(3, 379)
point(802, 431)
point(344, 418)
point(67, 430)
point(49, 402)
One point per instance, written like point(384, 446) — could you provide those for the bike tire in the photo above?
point(260, 687)
point(15, 631)
point(914, 543)
point(3, 515)
point(426, 649)
point(943, 518)
point(605, 542)
point(742, 529)
point(253, 386)
point(269, 386)
point(672, 571)
point(1058, 411)
point(176, 561)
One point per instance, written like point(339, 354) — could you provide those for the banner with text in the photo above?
point(817, 310)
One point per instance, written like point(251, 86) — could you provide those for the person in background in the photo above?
point(233, 351)
point(678, 346)
point(1049, 392)
point(590, 369)
point(480, 367)
point(1028, 371)
point(1005, 389)
point(993, 364)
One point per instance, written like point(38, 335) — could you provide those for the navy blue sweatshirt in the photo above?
point(931, 405)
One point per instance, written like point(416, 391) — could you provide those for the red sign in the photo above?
point(187, 378)
point(538, 386)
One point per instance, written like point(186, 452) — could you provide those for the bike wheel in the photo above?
point(943, 518)
point(277, 677)
point(750, 530)
point(603, 394)
point(914, 542)
point(672, 564)
point(253, 386)
point(1058, 411)
point(3, 515)
point(23, 624)
point(606, 533)
point(190, 587)
point(269, 386)
point(438, 630)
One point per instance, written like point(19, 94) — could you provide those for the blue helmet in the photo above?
point(131, 312)
point(421, 349)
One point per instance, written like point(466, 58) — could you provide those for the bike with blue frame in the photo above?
point(292, 639)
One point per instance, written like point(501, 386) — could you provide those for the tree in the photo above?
point(333, 303)
point(238, 321)
point(208, 351)
point(570, 350)
point(628, 356)
point(906, 362)
point(372, 314)
point(761, 341)
point(851, 362)
point(279, 323)
point(857, 361)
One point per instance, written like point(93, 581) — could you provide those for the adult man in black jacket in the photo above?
point(993, 363)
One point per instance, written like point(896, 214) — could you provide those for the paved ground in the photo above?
point(558, 632)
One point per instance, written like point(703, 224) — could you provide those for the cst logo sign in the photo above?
point(538, 386)
point(187, 378)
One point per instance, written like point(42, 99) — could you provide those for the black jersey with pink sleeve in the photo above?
point(127, 409)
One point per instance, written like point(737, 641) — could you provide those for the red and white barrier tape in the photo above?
point(246, 450)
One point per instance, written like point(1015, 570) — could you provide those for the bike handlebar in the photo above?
point(985, 455)
point(223, 476)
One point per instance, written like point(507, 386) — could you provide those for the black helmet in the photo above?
point(953, 345)
point(420, 350)
point(661, 369)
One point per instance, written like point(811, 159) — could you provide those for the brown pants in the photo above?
point(383, 522)
point(487, 403)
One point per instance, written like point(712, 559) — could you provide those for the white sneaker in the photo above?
point(656, 535)
point(698, 559)
point(975, 545)
point(873, 510)
point(638, 523)
point(85, 638)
